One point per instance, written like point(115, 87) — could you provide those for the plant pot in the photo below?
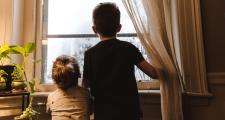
point(18, 85)
point(18, 118)
point(8, 69)
point(2, 86)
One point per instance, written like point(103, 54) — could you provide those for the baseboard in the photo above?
point(216, 78)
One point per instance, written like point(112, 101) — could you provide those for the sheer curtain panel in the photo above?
point(154, 22)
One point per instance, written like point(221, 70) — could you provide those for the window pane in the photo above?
point(75, 17)
point(76, 47)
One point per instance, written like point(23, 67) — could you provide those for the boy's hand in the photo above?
point(148, 69)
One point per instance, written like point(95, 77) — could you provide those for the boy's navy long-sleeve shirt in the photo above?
point(109, 71)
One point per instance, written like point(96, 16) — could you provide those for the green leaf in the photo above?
point(4, 51)
point(32, 86)
point(18, 50)
point(18, 73)
point(4, 48)
point(1, 56)
point(2, 72)
point(29, 48)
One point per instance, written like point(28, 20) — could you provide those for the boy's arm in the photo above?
point(86, 71)
point(148, 69)
point(142, 64)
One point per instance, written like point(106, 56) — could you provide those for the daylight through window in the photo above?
point(67, 30)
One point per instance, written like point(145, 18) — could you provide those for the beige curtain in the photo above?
point(6, 20)
point(29, 31)
point(18, 26)
point(154, 21)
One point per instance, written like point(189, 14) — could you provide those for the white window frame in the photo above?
point(42, 38)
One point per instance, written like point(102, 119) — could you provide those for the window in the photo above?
point(67, 30)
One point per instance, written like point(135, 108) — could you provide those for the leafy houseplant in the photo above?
point(16, 74)
point(5, 51)
point(2, 80)
point(18, 82)
point(20, 74)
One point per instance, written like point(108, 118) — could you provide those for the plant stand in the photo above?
point(25, 97)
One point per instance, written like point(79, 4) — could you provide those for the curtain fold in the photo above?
point(154, 23)
point(29, 32)
point(6, 20)
point(18, 26)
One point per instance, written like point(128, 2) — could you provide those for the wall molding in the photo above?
point(216, 78)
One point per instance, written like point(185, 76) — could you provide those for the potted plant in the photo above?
point(2, 80)
point(19, 76)
point(5, 51)
point(20, 80)
point(14, 75)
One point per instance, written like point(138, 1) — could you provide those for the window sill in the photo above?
point(148, 85)
point(141, 92)
point(149, 92)
point(196, 99)
point(190, 94)
point(142, 86)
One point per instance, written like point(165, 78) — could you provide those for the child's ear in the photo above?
point(94, 29)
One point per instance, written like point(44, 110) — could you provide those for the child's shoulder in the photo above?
point(82, 90)
point(54, 95)
point(126, 45)
point(76, 91)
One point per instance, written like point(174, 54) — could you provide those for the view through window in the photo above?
point(67, 30)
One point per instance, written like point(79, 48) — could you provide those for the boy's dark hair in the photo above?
point(106, 19)
point(65, 72)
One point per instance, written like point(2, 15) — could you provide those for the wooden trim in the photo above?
point(38, 54)
point(150, 85)
point(208, 95)
point(45, 87)
point(191, 101)
point(142, 86)
point(216, 78)
point(87, 35)
point(196, 99)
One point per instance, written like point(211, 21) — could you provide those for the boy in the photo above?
point(69, 101)
point(109, 69)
